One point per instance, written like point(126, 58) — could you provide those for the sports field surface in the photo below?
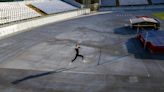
point(38, 60)
point(159, 15)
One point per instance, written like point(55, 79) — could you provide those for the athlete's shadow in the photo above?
point(135, 47)
point(41, 74)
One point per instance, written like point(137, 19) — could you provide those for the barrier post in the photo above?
point(146, 40)
point(138, 29)
point(155, 26)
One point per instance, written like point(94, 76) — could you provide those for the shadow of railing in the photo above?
point(40, 75)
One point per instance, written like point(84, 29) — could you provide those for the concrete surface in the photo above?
point(38, 60)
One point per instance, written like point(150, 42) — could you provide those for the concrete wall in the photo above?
point(15, 28)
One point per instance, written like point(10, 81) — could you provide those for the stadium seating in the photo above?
point(74, 3)
point(106, 3)
point(157, 1)
point(55, 6)
point(133, 2)
point(15, 11)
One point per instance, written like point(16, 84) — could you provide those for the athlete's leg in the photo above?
point(81, 56)
point(75, 58)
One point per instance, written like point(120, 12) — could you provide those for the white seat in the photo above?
point(133, 2)
point(54, 6)
point(14, 11)
point(108, 2)
point(157, 1)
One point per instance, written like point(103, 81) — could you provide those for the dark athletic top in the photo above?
point(77, 51)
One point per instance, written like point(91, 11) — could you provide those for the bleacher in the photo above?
point(133, 2)
point(74, 3)
point(106, 3)
point(157, 1)
point(55, 6)
point(15, 11)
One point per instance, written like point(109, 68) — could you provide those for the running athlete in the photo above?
point(77, 53)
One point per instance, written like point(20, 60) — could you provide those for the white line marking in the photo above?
point(148, 74)
point(160, 67)
point(82, 72)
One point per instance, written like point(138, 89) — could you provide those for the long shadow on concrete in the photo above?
point(135, 47)
point(126, 30)
point(41, 75)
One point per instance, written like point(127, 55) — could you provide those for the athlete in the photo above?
point(77, 53)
